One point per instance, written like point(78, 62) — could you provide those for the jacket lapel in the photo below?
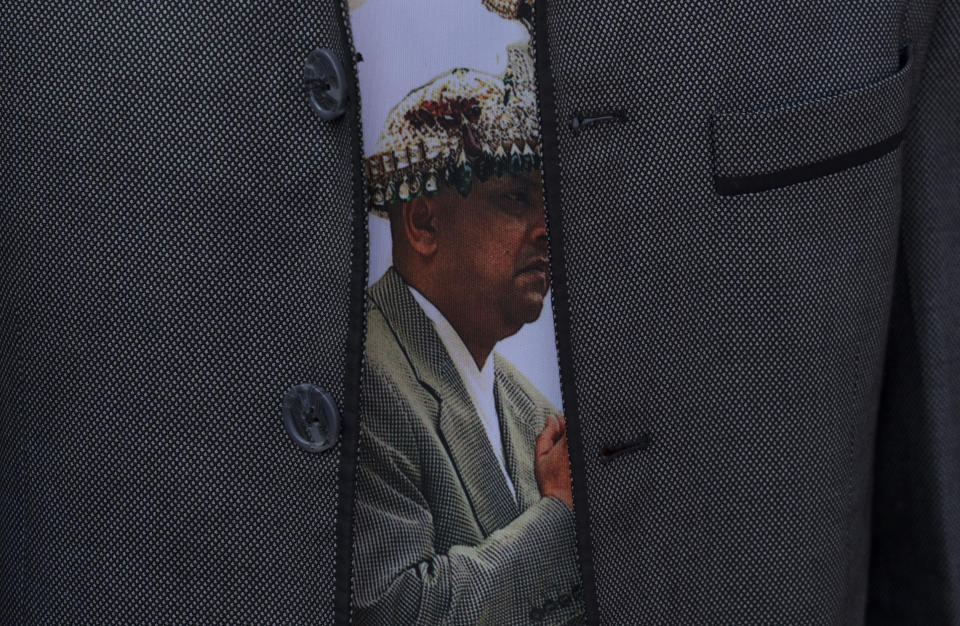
point(519, 428)
point(458, 421)
point(474, 458)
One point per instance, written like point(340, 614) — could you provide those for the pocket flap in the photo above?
point(762, 149)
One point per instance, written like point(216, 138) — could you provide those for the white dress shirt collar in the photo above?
point(479, 381)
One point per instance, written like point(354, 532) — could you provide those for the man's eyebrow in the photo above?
point(523, 184)
point(526, 183)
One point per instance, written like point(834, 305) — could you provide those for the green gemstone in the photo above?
point(515, 166)
point(527, 158)
point(500, 165)
point(500, 162)
point(485, 165)
point(484, 169)
point(463, 178)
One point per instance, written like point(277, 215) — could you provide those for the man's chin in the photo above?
point(531, 307)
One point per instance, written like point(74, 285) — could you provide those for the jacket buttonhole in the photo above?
point(579, 119)
point(612, 451)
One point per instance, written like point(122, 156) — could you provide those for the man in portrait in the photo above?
point(464, 510)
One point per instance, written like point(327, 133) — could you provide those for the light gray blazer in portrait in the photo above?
point(439, 537)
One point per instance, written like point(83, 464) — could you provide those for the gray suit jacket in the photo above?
point(439, 537)
point(185, 240)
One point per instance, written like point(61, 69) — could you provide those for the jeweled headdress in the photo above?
point(464, 124)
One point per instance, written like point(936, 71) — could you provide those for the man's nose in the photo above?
point(538, 227)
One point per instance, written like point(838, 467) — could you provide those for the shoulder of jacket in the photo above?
point(391, 389)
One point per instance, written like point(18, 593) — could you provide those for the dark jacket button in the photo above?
point(325, 82)
point(310, 417)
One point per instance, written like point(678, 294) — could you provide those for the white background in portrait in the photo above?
point(404, 44)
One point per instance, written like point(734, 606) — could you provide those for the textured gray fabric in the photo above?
point(915, 564)
point(841, 123)
point(438, 538)
point(746, 334)
point(177, 248)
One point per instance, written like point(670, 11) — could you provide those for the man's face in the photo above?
point(493, 249)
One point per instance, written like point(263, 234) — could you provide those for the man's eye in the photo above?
point(519, 196)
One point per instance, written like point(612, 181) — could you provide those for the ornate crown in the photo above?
point(463, 124)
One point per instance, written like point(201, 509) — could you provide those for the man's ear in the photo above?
point(419, 219)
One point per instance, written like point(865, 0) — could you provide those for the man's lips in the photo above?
point(539, 265)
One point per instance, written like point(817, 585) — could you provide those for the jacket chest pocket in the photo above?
point(805, 220)
point(759, 150)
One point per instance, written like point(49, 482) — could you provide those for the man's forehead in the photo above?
point(528, 179)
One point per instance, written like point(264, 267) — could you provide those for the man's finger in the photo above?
point(551, 426)
point(543, 443)
point(559, 428)
point(553, 422)
point(547, 436)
